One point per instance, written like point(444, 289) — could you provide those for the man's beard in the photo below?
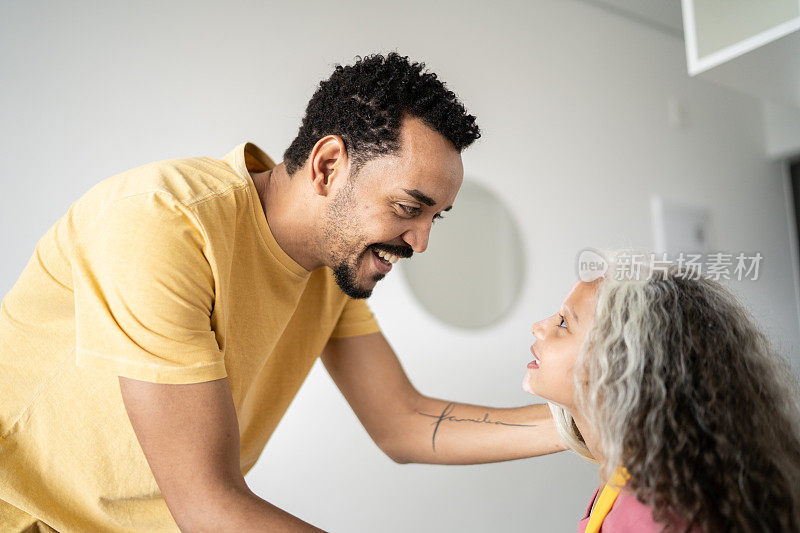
point(339, 225)
point(346, 277)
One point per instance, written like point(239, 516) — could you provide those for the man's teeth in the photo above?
point(387, 256)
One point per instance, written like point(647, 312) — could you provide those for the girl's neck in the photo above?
point(589, 435)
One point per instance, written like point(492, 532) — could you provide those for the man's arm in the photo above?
point(412, 428)
point(190, 437)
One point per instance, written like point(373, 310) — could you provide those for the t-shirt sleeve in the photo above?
point(356, 319)
point(144, 293)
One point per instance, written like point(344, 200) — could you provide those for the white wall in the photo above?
point(573, 105)
point(781, 130)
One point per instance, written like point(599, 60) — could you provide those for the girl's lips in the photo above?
point(535, 362)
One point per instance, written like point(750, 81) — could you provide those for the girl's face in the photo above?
point(558, 339)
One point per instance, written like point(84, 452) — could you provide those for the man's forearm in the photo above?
point(443, 432)
point(242, 510)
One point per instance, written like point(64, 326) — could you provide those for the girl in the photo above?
point(668, 384)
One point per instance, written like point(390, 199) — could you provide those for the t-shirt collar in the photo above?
point(243, 159)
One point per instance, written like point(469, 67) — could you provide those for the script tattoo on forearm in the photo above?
point(445, 415)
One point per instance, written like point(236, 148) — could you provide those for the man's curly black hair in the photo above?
point(364, 103)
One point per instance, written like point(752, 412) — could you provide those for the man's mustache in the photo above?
point(399, 251)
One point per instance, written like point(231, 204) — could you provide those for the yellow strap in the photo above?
point(606, 500)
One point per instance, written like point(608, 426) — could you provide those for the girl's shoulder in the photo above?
point(628, 514)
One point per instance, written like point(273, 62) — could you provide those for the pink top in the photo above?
point(627, 514)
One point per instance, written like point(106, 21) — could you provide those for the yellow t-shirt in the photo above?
point(165, 273)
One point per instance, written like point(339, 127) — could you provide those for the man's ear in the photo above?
point(329, 163)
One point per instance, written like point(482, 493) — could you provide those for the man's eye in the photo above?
point(414, 211)
point(563, 322)
point(410, 209)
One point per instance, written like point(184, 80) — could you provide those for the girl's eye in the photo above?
point(563, 322)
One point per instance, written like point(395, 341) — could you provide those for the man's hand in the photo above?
point(190, 437)
point(410, 427)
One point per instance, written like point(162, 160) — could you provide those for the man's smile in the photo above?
point(381, 264)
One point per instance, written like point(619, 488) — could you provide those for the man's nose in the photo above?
point(418, 237)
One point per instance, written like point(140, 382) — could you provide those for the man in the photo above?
point(166, 321)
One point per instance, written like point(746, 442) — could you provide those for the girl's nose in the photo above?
point(537, 329)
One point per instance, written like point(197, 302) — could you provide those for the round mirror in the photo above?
point(471, 273)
